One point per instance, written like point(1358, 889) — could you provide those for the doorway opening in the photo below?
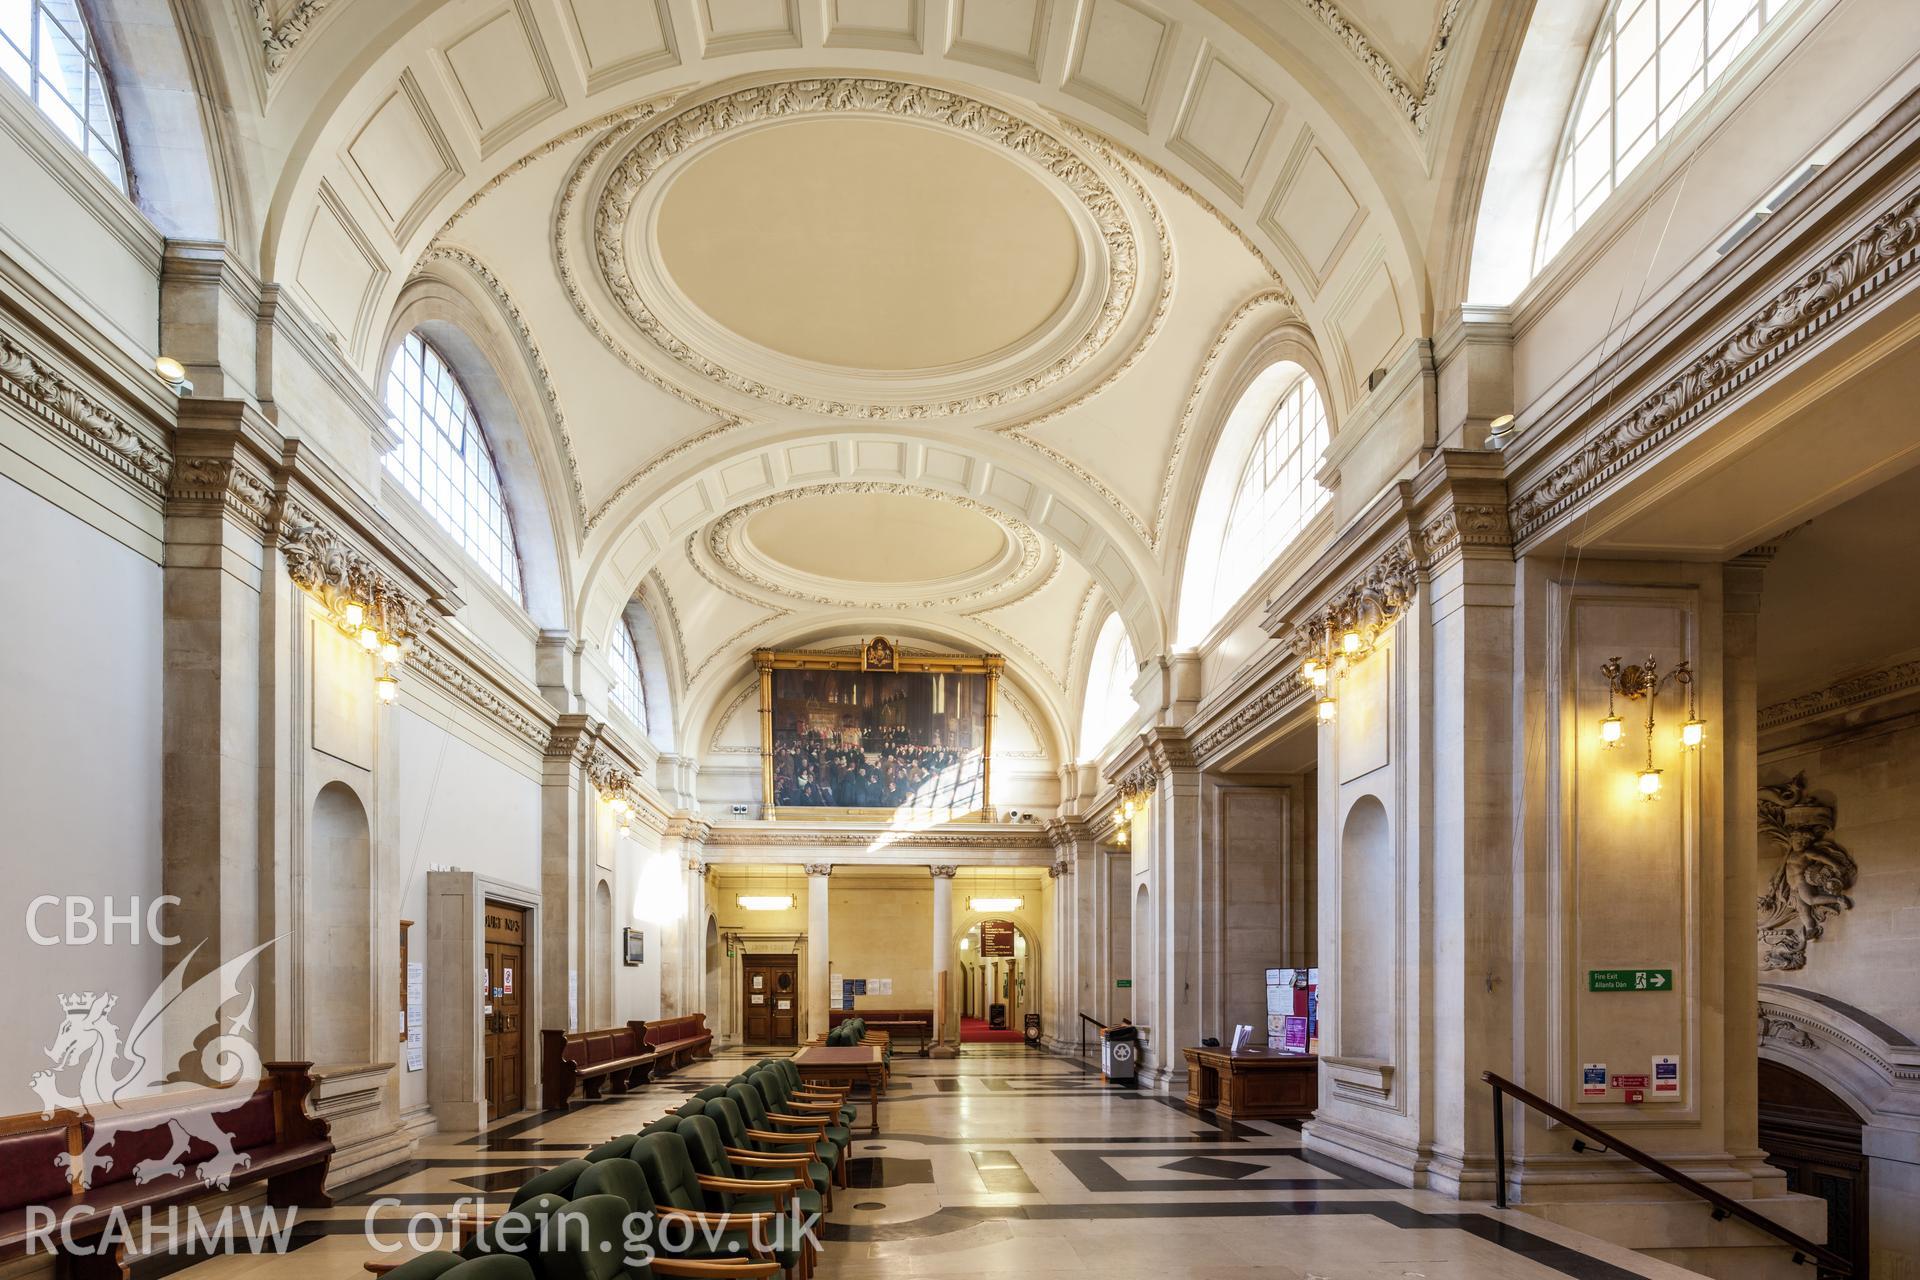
point(502, 986)
point(770, 999)
point(1814, 1136)
point(995, 964)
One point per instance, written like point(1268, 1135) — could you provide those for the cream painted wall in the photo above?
point(458, 806)
point(1869, 956)
point(884, 931)
point(79, 764)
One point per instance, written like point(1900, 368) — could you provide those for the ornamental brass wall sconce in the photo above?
point(1645, 681)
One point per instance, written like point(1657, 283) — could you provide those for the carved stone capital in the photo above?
point(943, 871)
point(822, 869)
point(1170, 751)
point(698, 868)
point(226, 485)
point(1061, 867)
point(1474, 524)
point(1370, 604)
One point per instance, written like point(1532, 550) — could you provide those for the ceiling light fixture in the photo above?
point(995, 904)
point(765, 901)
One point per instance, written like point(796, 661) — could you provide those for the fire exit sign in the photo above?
point(1123, 982)
point(1629, 979)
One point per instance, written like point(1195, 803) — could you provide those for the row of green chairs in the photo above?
point(759, 1152)
point(854, 1032)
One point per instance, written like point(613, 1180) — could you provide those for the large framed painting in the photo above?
point(877, 733)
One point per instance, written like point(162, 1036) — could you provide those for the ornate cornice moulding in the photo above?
point(1282, 689)
point(279, 39)
point(694, 126)
point(78, 418)
point(335, 571)
point(1868, 263)
point(1842, 695)
point(780, 837)
point(1413, 103)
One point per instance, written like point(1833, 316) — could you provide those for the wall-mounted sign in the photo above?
point(1666, 1076)
point(1629, 979)
point(1593, 1080)
point(996, 939)
point(1123, 983)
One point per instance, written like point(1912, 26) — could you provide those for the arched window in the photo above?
point(628, 693)
point(1110, 679)
point(1277, 493)
point(443, 459)
point(47, 50)
point(1649, 62)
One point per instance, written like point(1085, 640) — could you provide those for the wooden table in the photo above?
point(853, 1064)
point(1253, 1084)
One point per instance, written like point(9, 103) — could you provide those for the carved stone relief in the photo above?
point(1810, 885)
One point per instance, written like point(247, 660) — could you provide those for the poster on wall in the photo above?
point(877, 732)
point(416, 1015)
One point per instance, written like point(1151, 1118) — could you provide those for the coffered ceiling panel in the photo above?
point(1007, 35)
point(620, 39)
point(741, 26)
point(1311, 213)
point(1120, 55)
point(876, 24)
point(402, 157)
point(501, 74)
point(1224, 122)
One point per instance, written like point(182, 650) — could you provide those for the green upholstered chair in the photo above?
point(781, 1101)
point(770, 1159)
point(756, 1187)
point(680, 1193)
point(613, 1149)
point(489, 1238)
point(798, 1088)
point(809, 1133)
point(594, 1245)
point(558, 1181)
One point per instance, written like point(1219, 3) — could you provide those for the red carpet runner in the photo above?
point(976, 1031)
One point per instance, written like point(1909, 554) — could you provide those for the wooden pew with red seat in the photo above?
point(680, 1040)
point(616, 1058)
point(283, 1146)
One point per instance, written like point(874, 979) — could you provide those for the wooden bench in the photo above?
point(680, 1040)
point(616, 1058)
point(275, 1139)
point(897, 1023)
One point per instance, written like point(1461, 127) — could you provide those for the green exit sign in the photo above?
point(1123, 982)
point(1629, 979)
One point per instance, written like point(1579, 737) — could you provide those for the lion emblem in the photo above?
point(115, 1072)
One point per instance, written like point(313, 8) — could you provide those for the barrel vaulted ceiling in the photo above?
point(779, 272)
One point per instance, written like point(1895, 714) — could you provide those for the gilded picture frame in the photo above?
point(879, 655)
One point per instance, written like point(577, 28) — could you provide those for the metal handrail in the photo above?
point(1098, 1025)
point(1804, 1250)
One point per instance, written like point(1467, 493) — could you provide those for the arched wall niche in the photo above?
point(713, 983)
point(185, 177)
point(1368, 948)
point(1027, 924)
point(336, 932)
point(1226, 424)
point(601, 1006)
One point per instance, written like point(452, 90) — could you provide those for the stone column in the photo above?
point(1181, 978)
point(943, 960)
point(819, 962)
point(1057, 1013)
point(694, 929)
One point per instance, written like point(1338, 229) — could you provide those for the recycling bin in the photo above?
point(1119, 1054)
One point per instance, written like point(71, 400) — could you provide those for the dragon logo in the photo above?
point(116, 1074)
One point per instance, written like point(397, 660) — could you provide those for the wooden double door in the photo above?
point(503, 977)
point(770, 999)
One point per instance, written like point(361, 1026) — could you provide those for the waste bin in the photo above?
point(997, 1017)
point(1119, 1053)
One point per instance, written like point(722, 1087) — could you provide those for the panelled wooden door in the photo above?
point(503, 982)
point(1811, 1133)
point(770, 999)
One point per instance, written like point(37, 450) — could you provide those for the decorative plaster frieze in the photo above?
point(1413, 103)
point(1842, 695)
point(572, 739)
point(1813, 877)
point(1283, 688)
point(1170, 751)
point(1372, 603)
point(717, 747)
point(279, 39)
point(1866, 264)
point(1465, 525)
point(1777, 1026)
point(229, 485)
point(80, 419)
point(702, 123)
point(335, 571)
point(455, 677)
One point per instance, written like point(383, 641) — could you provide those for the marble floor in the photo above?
point(1012, 1162)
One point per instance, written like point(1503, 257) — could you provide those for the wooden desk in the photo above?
point(1253, 1084)
point(854, 1064)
